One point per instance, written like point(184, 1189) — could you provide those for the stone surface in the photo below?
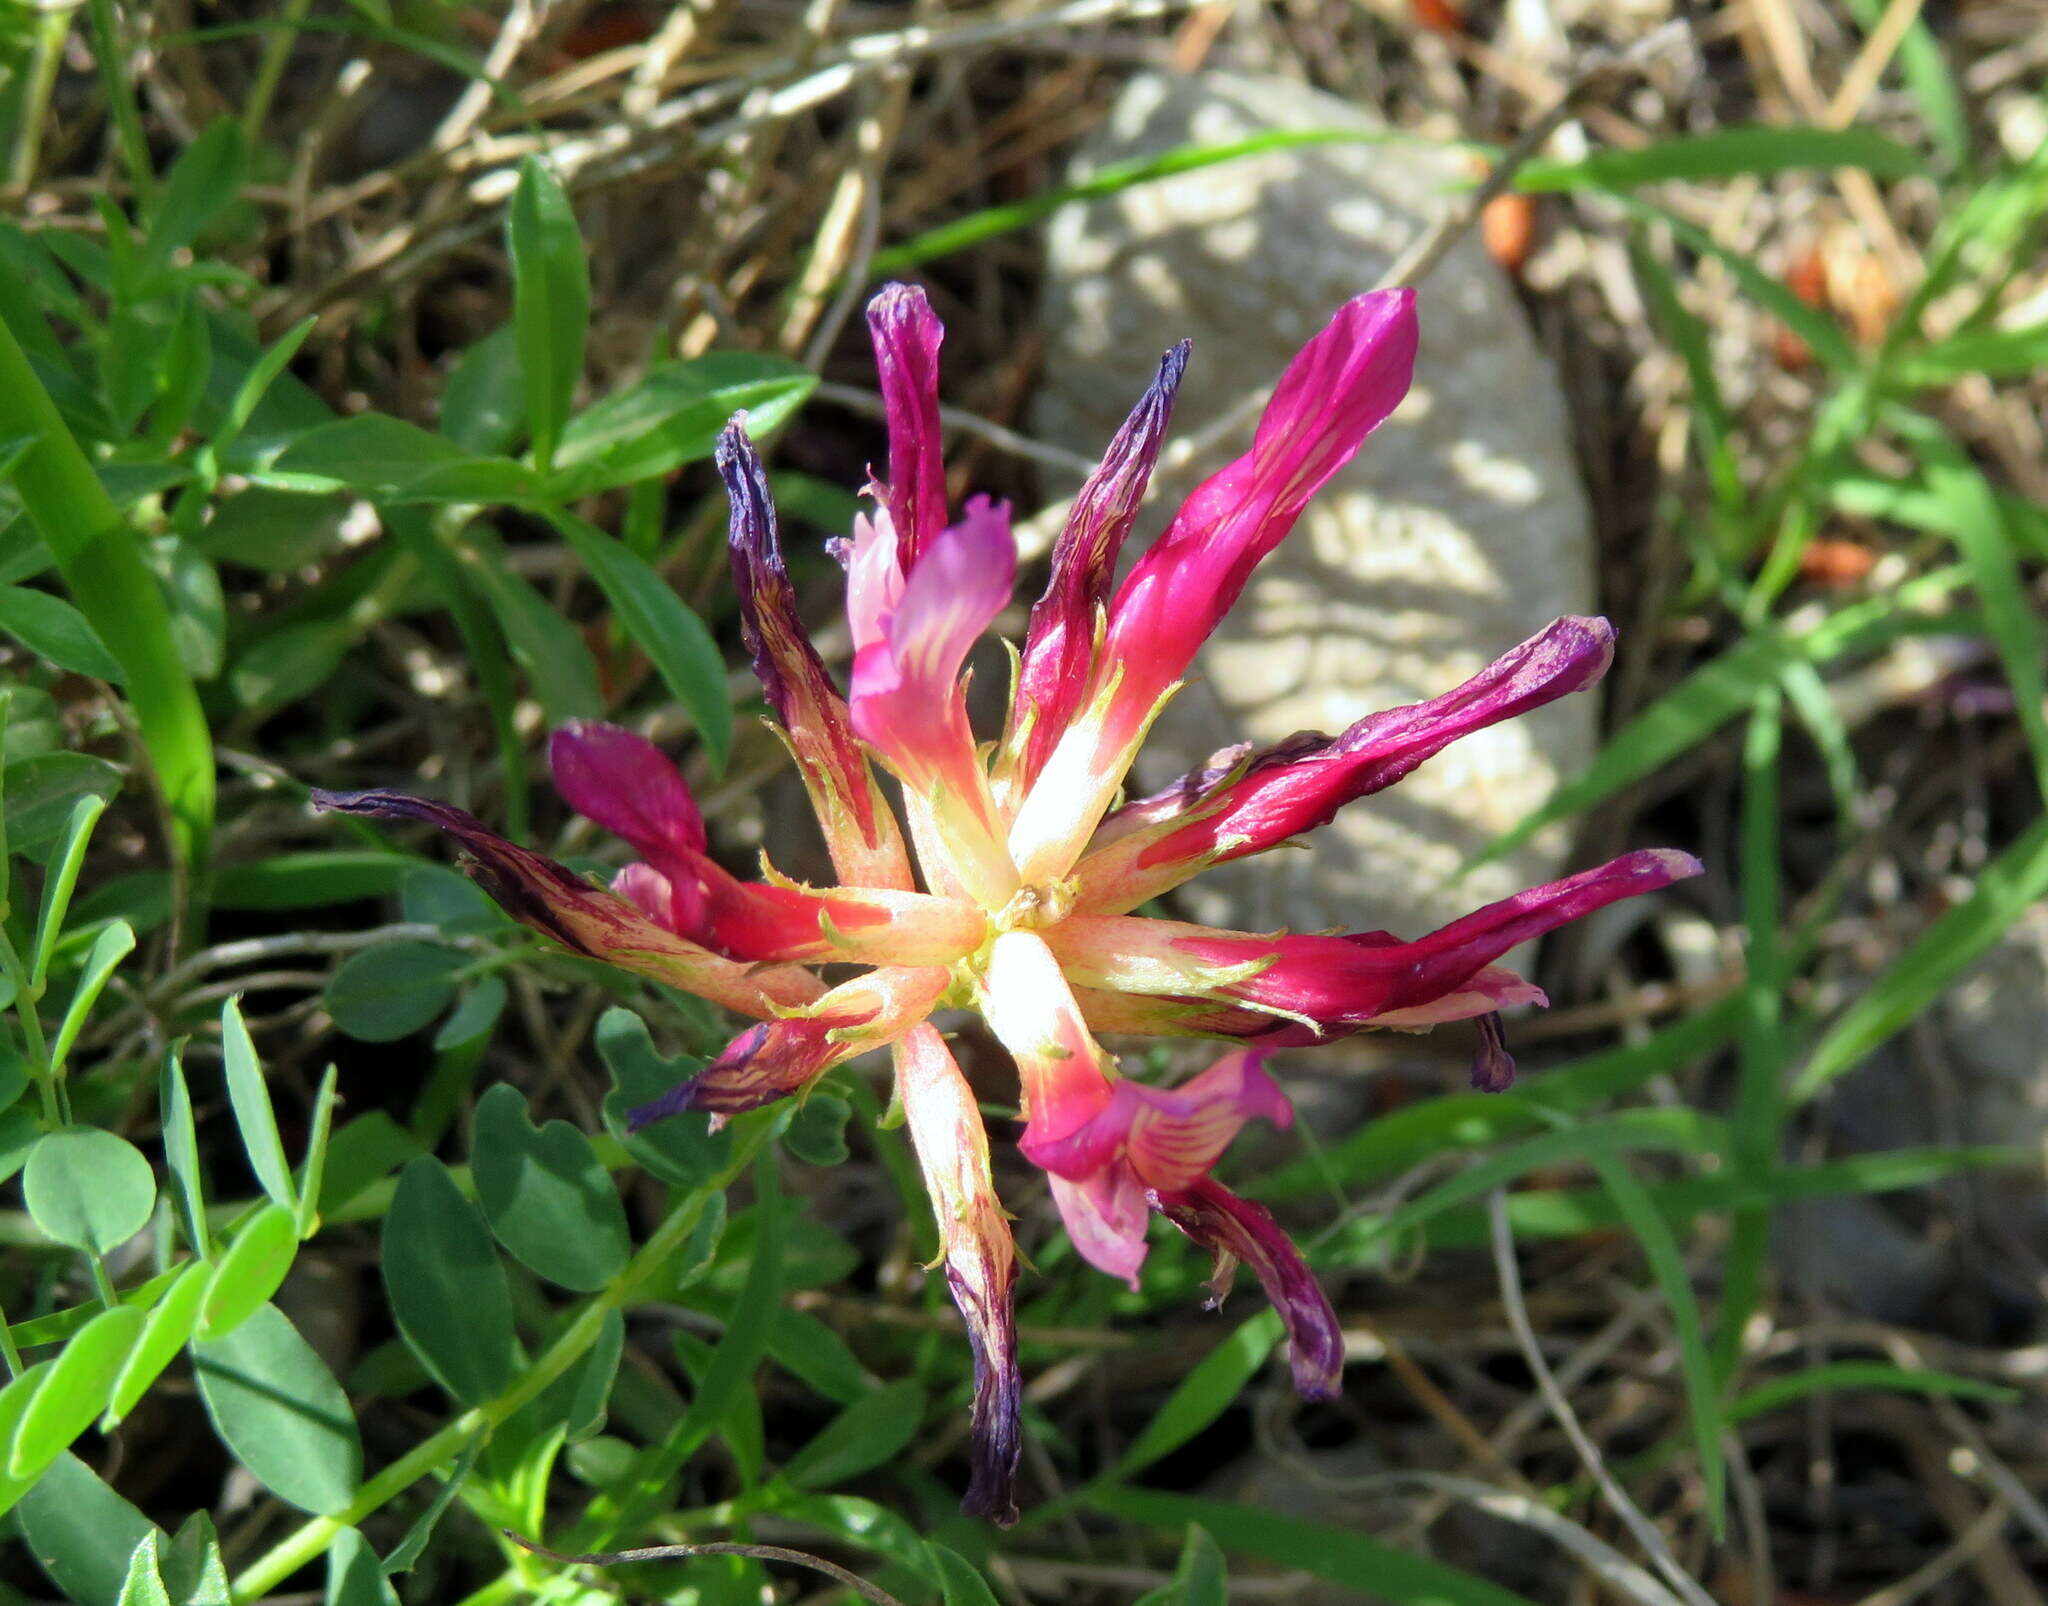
point(1460, 529)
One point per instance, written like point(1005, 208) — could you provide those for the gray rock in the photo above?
point(1460, 529)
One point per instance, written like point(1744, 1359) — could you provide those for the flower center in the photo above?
point(1034, 908)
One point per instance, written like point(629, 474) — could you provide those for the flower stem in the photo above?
point(312, 1539)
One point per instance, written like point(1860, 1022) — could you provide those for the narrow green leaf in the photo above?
point(256, 382)
point(43, 790)
point(171, 1322)
point(1200, 1578)
point(448, 1291)
point(959, 1582)
point(548, 1199)
point(1342, 1555)
point(313, 1167)
point(63, 880)
point(1667, 1265)
point(311, 880)
point(480, 404)
point(2005, 888)
point(550, 301)
point(1836, 1376)
point(109, 948)
point(589, 1382)
point(407, 1552)
point(1203, 1395)
point(250, 1271)
point(144, 1585)
point(254, 1118)
point(673, 416)
point(88, 1188)
point(392, 991)
point(674, 639)
point(1925, 71)
point(549, 650)
point(54, 630)
point(181, 1151)
point(15, 1399)
point(354, 1577)
point(868, 1433)
point(80, 1532)
point(279, 1410)
point(77, 1389)
point(204, 179)
point(1757, 151)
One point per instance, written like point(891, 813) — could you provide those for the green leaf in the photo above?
point(204, 179)
point(548, 649)
point(54, 630)
point(480, 404)
point(673, 416)
point(868, 1433)
point(392, 991)
point(674, 639)
point(807, 1349)
point(114, 943)
point(1204, 1394)
point(312, 1170)
point(199, 609)
point(363, 1152)
point(354, 1577)
point(311, 880)
point(448, 1291)
point(474, 1019)
point(271, 531)
point(1756, 151)
point(15, 1399)
point(2005, 888)
point(380, 456)
point(252, 1269)
point(144, 1585)
point(681, 1150)
point(289, 663)
point(1200, 1579)
point(589, 1382)
point(42, 790)
point(254, 1117)
point(546, 1195)
point(192, 1568)
point(76, 1390)
point(408, 1550)
point(550, 301)
point(1835, 1376)
point(88, 1188)
point(816, 1133)
point(1341, 1555)
point(1667, 1265)
point(181, 1151)
point(81, 1532)
point(280, 1411)
point(960, 1583)
point(171, 1322)
point(62, 881)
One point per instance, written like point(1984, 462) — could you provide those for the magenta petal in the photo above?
point(1170, 1136)
point(1105, 1217)
point(1337, 390)
point(1052, 677)
point(906, 334)
point(1239, 1230)
point(626, 784)
point(1249, 801)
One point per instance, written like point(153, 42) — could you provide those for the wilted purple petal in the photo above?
point(540, 893)
point(906, 335)
point(1239, 1230)
point(1053, 673)
point(859, 830)
point(1493, 1067)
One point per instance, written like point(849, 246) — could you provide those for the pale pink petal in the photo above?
point(1105, 1215)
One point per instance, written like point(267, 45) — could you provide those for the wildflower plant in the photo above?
point(1009, 884)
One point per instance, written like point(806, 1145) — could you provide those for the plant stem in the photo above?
point(313, 1538)
point(52, 29)
point(277, 54)
point(128, 135)
point(103, 567)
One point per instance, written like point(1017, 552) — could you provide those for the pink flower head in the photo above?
point(1027, 876)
